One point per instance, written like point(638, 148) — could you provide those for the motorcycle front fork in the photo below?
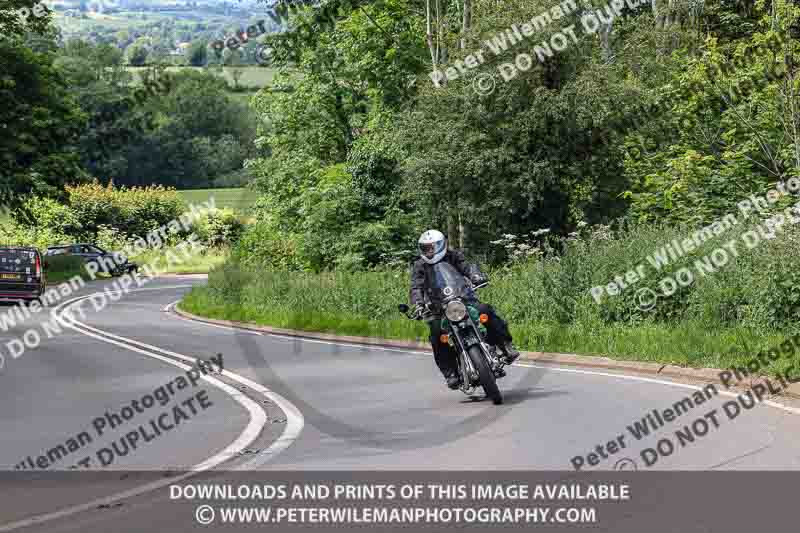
point(467, 370)
point(496, 363)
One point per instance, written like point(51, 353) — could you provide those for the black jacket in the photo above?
point(421, 274)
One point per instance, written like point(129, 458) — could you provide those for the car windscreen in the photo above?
point(17, 261)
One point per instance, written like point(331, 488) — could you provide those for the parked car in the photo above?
point(21, 273)
point(91, 253)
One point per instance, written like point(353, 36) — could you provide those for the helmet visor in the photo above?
point(430, 249)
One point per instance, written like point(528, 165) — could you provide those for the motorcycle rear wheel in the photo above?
point(485, 374)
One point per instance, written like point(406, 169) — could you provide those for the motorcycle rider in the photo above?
point(433, 248)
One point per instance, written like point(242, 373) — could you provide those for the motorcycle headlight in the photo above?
point(455, 311)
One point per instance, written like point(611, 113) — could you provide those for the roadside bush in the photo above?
point(15, 234)
point(545, 284)
point(262, 246)
point(92, 210)
point(544, 295)
point(111, 239)
point(132, 211)
point(219, 227)
point(46, 213)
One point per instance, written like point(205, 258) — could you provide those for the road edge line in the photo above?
point(680, 374)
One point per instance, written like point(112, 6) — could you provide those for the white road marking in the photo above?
point(294, 418)
point(304, 339)
point(168, 309)
point(770, 403)
point(294, 421)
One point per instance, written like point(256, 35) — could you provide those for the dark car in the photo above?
point(91, 253)
point(21, 273)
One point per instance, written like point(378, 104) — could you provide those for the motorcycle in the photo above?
point(478, 362)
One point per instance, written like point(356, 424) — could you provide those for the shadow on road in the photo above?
point(517, 396)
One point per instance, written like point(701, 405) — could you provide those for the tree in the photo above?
point(137, 54)
point(45, 120)
point(232, 59)
point(13, 25)
point(197, 53)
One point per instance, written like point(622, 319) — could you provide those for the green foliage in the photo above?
point(137, 54)
point(219, 227)
point(48, 213)
point(12, 25)
point(197, 54)
point(93, 209)
point(41, 121)
point(263, 246)
point(133, 211)
point(16, 234)
point(180, 129)
point(64, 267)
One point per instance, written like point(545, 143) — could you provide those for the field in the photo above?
point(253, 77)
point(240, 200)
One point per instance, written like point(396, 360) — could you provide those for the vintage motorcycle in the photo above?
point(478, 362)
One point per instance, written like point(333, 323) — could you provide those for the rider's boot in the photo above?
point(510, 354)
point(453, 380)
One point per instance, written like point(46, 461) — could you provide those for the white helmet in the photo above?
point(432, 246)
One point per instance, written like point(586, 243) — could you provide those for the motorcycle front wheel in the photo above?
point(485, 374)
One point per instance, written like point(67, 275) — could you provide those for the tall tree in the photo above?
point(39, 114)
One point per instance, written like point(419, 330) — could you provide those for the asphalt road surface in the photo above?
point(283, 404)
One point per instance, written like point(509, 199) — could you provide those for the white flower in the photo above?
point(581, 224)
point(509, 236)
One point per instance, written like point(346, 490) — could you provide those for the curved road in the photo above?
point(284, 404)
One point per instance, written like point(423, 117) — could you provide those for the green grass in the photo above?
point(238, 199)
point(722, 319)
point(196, 264)
point(62, 268)
point(364, 304)
point(252, 77)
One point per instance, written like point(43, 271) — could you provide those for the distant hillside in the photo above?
point(165, 28)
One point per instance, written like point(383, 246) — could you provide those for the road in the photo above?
point(283, 404)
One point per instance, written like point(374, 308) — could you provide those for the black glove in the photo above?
point(418, 311)
point(477, 279)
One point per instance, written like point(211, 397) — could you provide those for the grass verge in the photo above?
point(170, 261)
point(62, 268)
point(365, 304)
